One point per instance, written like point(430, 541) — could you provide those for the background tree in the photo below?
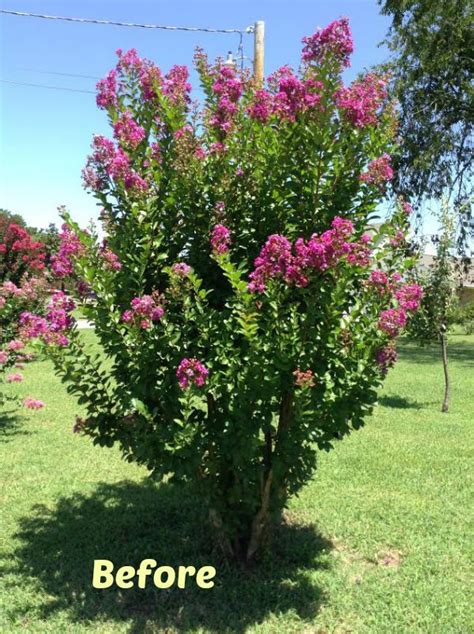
point(7, 218)
point(440, 301)
point(433, 47)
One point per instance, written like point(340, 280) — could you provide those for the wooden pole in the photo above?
point(258, 52)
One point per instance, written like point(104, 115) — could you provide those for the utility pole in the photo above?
point(258, 52)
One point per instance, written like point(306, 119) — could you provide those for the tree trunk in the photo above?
point(444, 353)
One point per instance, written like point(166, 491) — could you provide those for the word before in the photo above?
point(163, 577)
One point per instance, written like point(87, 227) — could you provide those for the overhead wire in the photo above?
point(239, 32)
point(24, 83)
point(25, 14)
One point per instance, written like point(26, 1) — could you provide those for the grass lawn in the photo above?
point(377, 542)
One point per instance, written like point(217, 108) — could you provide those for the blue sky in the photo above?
point(45, 134)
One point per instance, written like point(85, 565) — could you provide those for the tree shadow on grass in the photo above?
point(128, 522)
point(399, 402)
point(460, 352)
point(9, 426)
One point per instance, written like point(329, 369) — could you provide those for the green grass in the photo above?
point(377, 542)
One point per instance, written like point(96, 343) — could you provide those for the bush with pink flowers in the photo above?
point(246, 308)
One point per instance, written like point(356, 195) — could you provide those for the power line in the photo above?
point(23, 14)
point(54, 72)
point(21, 83)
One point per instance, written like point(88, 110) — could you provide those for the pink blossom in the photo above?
point(379, 280)
point(409, 297)
point(106, 161)
point(15, 378)
point(217, 147)
point(15, 344)
point(32, 326)
point(361, 101)
point(150, 80)
point(332, 42)
point(200, 153)
point(261, 107)
point(70, 247)
point(183, 131)
point(392, 321)
point(304, 378)
point(398, 238)
point(127, 131)
point(51, 329)
point(127, 316)
point(407, 208)
point(191, 371)
point(181, 269)
point(293, 95)
point(4, 356)
point(275, 260)
point(111, 259)
point(33, 403)
point(106, 91)
point(220, 239)
point(144, 310)
point(155, 151)
point(386, 357)
point(129, 60)
point(378, 172)
point(176, 85)
point(293, 263)
point(228, 88)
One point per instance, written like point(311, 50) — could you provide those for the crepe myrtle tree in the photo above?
point(246, 311)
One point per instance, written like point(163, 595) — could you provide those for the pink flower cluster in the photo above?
point(15, 345)
point(70, 247)
point(29, 290)
point(379, 171)
point(361, 101)
point(15, 378)
point(52, 328)
point(409, 297)
point(111, 259)
point(392, 321)
point(33, 403)
point(279, 259)
point(144, 310)
point(150, 80)
point(304, 378)
point(386, 357)
point(107, 91)
point(228, 88)
point(176, 85)
point(181, 269)
point(191, 371)
point(220, 239)
point(295, 96)
point(115, 163)
point(291, 96)
point(380, 281)
point(127, 131)
point(334, 42)
point(128, 61)
point(261, 107)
